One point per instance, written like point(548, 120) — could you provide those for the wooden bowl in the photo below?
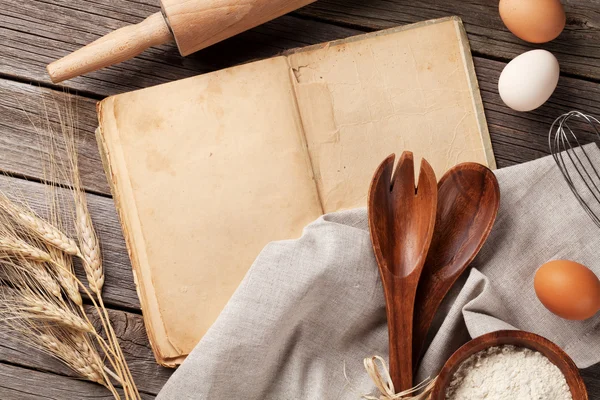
point(520, 339)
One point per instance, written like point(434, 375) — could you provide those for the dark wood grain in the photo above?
point(25, 384)
point(468, 201)
point(119, 288)
point(577, 48)
point(517, 338)
point(129, 328)
point(401, 222)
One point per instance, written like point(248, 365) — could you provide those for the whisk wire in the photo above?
point(573, 158)
point(573, 154)
point(583, 148)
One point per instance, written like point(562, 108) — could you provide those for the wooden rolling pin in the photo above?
point(193, 24)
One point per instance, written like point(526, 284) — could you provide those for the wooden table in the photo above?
point(34, 33)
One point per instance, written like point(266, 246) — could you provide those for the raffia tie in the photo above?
point(383, 381)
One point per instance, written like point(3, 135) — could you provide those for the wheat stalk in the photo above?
point(89, 246)
point(39, 257)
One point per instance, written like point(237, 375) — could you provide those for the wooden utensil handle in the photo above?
point(401, 346)
point(430, 294)
point(117, 46)
point(399, 330)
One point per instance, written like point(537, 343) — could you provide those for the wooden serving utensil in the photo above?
point(193, 24)
point(468, 200)
point(401, 222)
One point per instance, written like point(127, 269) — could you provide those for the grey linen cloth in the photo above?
point(309, 310)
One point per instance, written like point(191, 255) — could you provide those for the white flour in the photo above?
point(508, 373)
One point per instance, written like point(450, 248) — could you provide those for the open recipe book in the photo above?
point(206, 171)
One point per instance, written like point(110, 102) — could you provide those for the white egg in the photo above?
point(529, 80)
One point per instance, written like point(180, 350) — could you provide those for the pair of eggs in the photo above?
point(529, 80)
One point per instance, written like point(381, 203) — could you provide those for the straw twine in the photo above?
point(383, 381)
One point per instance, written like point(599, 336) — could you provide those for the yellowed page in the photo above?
point(410, 88)
point(206, 171)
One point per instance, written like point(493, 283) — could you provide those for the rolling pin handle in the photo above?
point(115, 47)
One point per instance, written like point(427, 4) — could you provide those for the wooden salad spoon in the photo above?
point(468, 200)
point(401, 222)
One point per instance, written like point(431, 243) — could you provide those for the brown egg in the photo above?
point(568, 289)
point(535, 21)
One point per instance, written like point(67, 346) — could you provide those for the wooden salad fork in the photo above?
point(401, 222)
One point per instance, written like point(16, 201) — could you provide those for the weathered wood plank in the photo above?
point(29, 40)
point(149, 376)
point(25, 150)
point(119, 289)
point(519, 137)
point(577, 48)
point(24, 384)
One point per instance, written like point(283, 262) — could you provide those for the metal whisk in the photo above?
point(574, 161)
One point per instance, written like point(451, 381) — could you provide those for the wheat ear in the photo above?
point(42, 229)
point(13, 246)
point(41, 309)
point(80, 357)
point(89, 355)
point(63, 269)
point(88, 244)
point(27, 272)
point(48, 233)
point(39, 272)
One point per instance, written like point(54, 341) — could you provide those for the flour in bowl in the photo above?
point(508, 373)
